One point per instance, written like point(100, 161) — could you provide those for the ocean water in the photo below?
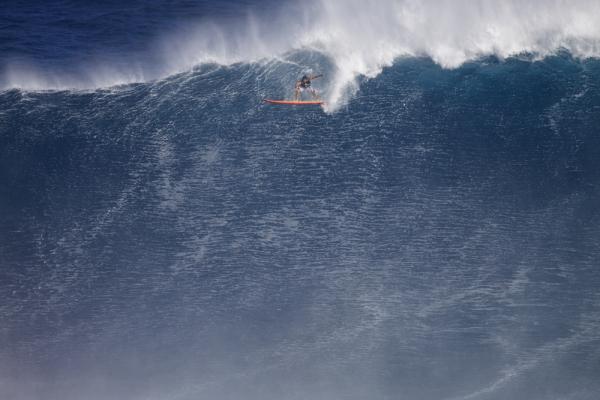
point(431, 233)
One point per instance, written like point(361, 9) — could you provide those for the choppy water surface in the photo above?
point(432, 235)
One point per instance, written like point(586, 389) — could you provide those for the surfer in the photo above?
point(304, 84)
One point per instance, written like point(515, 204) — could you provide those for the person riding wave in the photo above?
point(304, 84)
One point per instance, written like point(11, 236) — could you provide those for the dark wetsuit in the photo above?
point(305, 82)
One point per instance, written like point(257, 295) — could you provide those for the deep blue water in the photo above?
point(435, 237)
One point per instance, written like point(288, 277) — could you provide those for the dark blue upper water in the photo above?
point(437, 237)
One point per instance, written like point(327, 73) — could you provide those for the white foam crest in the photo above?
point(28, 77)
point(363, 39)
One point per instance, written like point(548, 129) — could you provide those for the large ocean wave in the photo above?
point(436, 237)
point(357, 39)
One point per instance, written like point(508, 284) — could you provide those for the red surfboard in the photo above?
point(295, 102)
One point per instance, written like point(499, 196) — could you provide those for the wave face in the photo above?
point(433, 234)
point(436, 238)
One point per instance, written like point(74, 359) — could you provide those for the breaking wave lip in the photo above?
point(30, 78)
point(359, 41)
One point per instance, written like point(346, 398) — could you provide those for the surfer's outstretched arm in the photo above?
point(313, 77)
